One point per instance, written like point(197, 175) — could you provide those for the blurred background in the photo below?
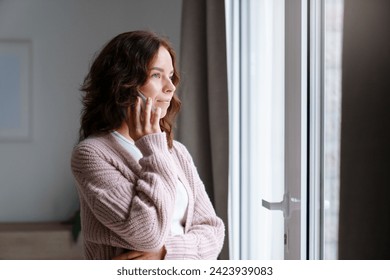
point(60, 39)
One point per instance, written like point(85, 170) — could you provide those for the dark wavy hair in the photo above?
point(111, 85)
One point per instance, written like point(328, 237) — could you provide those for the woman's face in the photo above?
point(159, 86)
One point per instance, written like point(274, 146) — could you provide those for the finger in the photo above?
point(135, 255)
point(148, 111)
point(121, 257)
point(140, 258)
point(128, 255)
point(156, 119)
point(147, 256)
point(137, 124)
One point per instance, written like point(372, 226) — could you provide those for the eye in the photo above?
point(156, 75)
point(171, 78)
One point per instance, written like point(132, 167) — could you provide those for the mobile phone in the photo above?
point(143, 104)
point(143, 97)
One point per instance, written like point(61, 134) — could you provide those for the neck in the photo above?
point(124, 130)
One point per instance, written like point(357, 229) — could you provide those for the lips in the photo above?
point(163, 100)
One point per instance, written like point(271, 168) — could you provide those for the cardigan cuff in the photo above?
point(176, 250)
point(152, 143)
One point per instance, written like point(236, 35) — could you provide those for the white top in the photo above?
point(181, 202)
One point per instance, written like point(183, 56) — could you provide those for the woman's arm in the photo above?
point(206, 233)
point(138, 211)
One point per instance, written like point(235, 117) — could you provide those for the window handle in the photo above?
point(288, 203)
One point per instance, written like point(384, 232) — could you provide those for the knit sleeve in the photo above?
point(204, 239)
point(136, 213)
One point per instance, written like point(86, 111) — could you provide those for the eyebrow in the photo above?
point(160, 69)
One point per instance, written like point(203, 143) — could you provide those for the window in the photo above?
point(284, 98)
point(257, 53)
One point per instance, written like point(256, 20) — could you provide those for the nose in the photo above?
point(169, 87)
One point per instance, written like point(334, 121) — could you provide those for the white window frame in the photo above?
point(297, 156)
point(316, 126)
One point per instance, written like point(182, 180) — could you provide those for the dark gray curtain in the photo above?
point(364, 231)
point(203, 121)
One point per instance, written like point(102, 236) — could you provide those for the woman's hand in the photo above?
point(138, 255)
point(143, 122)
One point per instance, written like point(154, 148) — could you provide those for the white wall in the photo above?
point(36, 183)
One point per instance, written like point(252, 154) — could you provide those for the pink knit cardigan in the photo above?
point(128, 205)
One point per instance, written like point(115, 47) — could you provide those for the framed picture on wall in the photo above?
point(15, 87)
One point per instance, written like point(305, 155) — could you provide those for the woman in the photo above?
point(140, 194)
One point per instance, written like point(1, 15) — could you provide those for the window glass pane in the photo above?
point(333, 11)
point(263, 117)
point(255, 36)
